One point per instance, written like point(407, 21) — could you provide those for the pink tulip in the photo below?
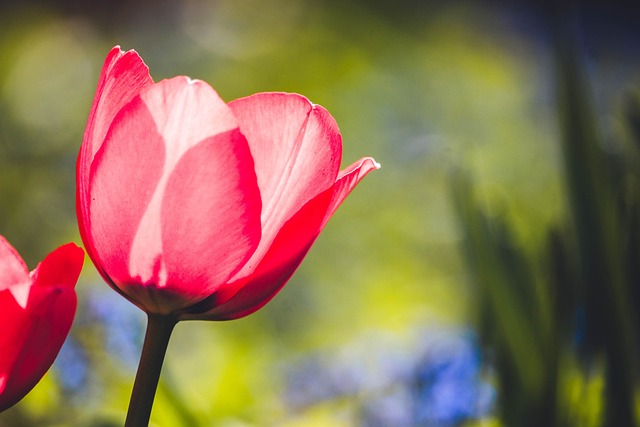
point(198, 209)
point(36, 312)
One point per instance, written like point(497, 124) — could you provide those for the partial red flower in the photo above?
point(36, 312)
point(199, 209)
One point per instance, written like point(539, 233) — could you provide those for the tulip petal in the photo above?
point(348, 178)
point(13, 274)
point(14, 334)
point(124, 176)
point(61, 268)
point(210, 215)
point(186, 112)
point(124, 75)
point(14, 294)
point(297, 149)
point(250, 293)
point(32, 338)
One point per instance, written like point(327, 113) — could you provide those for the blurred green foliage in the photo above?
point(562, 321)
point(431, 90)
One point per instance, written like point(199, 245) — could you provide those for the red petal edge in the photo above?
point(123, 76)
point(61, 268)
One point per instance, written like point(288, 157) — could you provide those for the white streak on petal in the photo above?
point(20, 292)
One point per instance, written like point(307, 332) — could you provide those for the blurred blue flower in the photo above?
point(71, 365)
point(447, 385)
point(432, 380)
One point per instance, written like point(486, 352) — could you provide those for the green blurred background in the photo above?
point(484, 276)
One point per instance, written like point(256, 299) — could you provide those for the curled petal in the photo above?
point(347, 180)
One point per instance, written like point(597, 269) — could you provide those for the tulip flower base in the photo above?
point(156, 340)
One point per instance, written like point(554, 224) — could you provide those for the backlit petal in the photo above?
point(14, 334)
point(124, 176)
point(186, 113)
point(297, 150)
point(210, 215)
point(249, 293)
point(124, 75)
point(32, 338)
point(347, 180)
point(61, 268)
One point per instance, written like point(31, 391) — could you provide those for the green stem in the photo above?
point(159, 328)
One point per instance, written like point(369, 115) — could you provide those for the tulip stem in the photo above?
point(159, 328)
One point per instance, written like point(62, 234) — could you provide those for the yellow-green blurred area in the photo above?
point(405, 311)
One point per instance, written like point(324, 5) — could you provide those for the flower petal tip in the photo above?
point(366, 165)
